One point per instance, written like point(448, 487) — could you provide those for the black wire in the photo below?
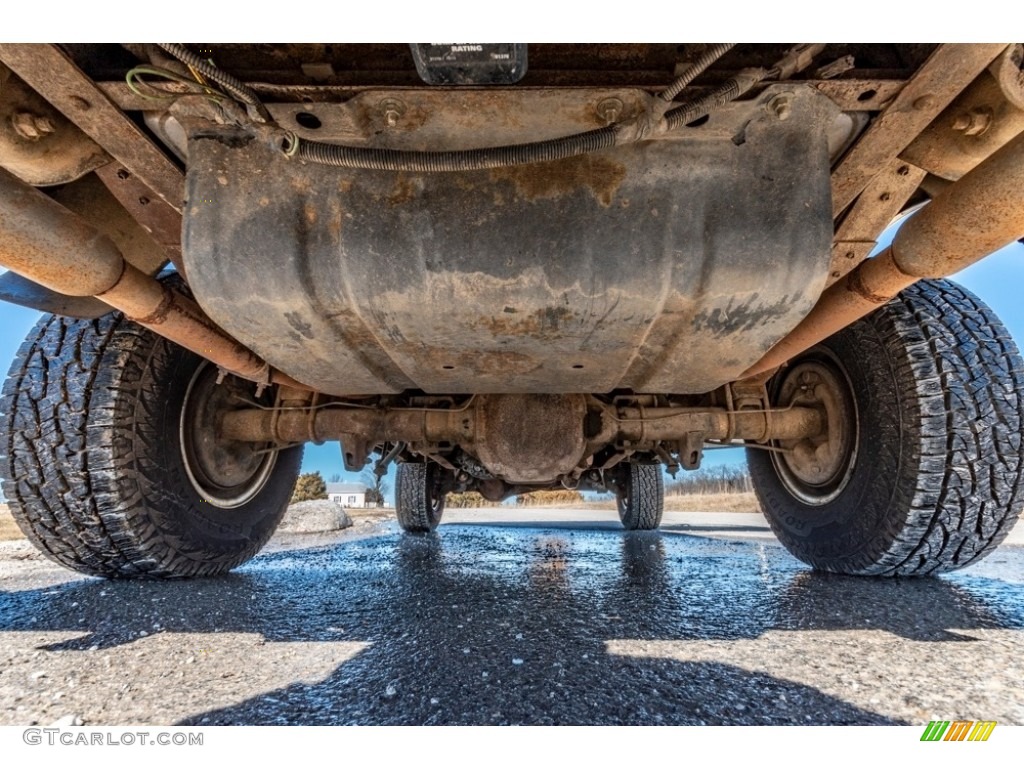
point(230, 84)
point(464, 160)
point(709, 102)
point(477, 159)
point(704, 61)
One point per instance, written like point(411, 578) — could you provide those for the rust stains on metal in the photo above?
point(384, 114)
point(860, 94)
point(178, 318)
point(405, 189)
point(37, 143)
point(160, 220)
point(334, 215)
point(873, 283)
point(975, 216)
point(529, 438)
point(300, 185)
point(543, 323)
point(882, 199)
point(597, 174)
point(496, 426)
point(946, 72)
point(983, 118)
point(647, 425)
point(856, 283)
point(486, 363)
point(159, 314)
point(45, 242)
point(56, 77)
point(398, 293)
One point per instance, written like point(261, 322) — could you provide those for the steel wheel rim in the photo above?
point(816, 471)
point(207, 458)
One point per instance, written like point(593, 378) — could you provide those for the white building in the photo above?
point(347, 494)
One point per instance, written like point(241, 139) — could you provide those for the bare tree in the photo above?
point(335, 478)
point(376, 487)
point(720, 479)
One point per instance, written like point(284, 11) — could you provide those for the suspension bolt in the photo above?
point(609, 110)
point(781, 106)
point(391, 110)
point(30, 126)
point(973, 123)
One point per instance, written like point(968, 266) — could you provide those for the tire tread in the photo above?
point(79, 458)
point(960, 464)
point(415, 506)
point(641, 502)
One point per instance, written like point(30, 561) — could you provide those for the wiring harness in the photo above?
point(631, 131)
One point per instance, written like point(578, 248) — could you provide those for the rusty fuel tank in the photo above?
point(666, 266)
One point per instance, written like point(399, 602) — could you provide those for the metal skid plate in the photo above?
point(666, 266)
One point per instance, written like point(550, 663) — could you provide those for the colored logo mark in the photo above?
point(958, 730)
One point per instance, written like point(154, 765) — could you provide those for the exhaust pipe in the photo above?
point(973, 218)
point(45, 242)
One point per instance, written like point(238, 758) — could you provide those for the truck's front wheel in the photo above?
point(419, 496)
point(640, 496)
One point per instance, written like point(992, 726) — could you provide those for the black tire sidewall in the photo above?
point(851, 532)
point(170, 507)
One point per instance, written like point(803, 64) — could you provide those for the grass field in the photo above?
point(696, 502)
point(8, 528)
point(713, 502)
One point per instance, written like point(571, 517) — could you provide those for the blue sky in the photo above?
point(998, 280)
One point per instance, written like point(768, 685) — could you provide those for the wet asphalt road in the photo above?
point(507, 621)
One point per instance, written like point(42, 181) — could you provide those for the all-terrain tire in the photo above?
point(419, 502)
point(92, 464)
point(938, 475)
point(641, 497)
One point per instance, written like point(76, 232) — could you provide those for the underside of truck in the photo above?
point(507, 268)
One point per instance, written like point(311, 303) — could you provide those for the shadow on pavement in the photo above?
point(502, 625)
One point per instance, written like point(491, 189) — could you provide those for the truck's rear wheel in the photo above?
point(111, 463)
point(419, 497)
point(923, 467)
